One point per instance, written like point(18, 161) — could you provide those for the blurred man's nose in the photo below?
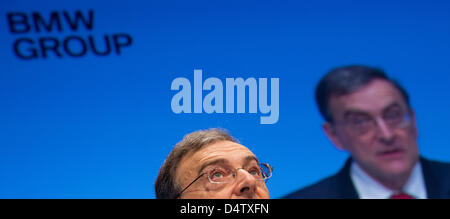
point(386, 133)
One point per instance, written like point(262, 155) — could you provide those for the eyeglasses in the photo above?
point(223, 175)
point(361, 124)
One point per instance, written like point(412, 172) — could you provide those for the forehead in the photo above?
point(373, 97)
point(232, 152)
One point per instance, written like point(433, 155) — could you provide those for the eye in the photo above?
point(392, 115)
point(255, 171)
point(359, 120)
point(217, 174)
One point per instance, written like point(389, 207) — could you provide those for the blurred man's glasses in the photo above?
point(361, 124)
point(222, 175)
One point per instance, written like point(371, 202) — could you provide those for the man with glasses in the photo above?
point(210, 164)
point(370, 116)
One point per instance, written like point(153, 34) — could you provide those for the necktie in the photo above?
point(401, 195)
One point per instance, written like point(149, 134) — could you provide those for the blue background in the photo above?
point(100, 127)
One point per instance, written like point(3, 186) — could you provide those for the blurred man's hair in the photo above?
point(347, 79)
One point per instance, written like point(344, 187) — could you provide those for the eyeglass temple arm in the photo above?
point(195, 180)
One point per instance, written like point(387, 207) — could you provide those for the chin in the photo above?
point(398, 168)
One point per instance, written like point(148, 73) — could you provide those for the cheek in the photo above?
point(365, 146)
point(262, 192)
point(358, 145)
point(407, 136)
point(413, 134)
point(408, 140)
point(220, 191)
point(211, 194)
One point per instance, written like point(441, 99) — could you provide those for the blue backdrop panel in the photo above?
point(85, 86)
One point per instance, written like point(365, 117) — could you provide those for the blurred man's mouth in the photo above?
point(391, 154)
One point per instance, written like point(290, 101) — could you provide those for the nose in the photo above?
point(245, 184)
point(387, 135)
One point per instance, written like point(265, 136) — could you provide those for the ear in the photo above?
point(330, 131)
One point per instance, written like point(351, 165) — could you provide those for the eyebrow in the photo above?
point(247, 160)
point(394, 104)
point(250, 158)
point(356, 111)
point(209, 163)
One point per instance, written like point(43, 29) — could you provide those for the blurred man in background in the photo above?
point(370, 116)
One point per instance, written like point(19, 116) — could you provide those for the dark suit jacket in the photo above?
point(340, 186)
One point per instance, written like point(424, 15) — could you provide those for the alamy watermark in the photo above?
point(213, 102)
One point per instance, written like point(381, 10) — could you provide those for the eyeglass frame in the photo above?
point(406, 120)
point(234, 177)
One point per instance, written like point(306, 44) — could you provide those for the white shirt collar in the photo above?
point(368, 188)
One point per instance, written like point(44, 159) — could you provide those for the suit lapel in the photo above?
point(432, 181)
point(345, 183)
